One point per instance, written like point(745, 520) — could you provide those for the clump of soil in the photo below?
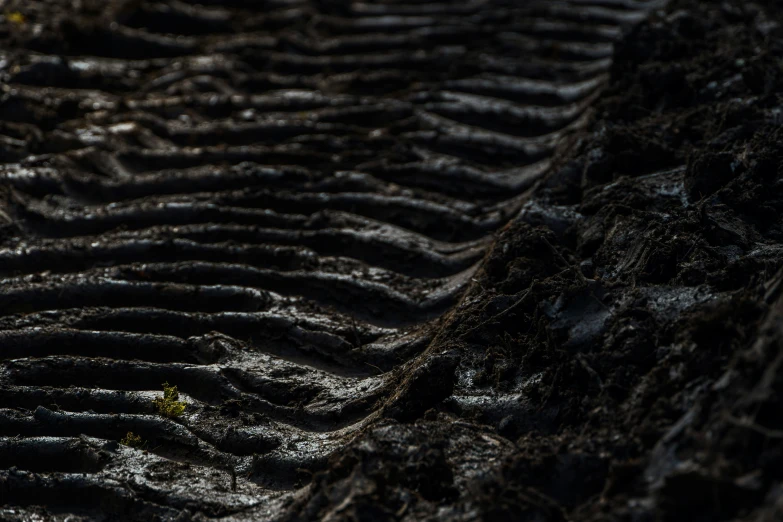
point(625, 333)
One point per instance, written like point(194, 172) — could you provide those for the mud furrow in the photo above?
point(271, 205)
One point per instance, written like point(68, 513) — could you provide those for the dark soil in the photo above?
point(412, 261)
point(625, 331)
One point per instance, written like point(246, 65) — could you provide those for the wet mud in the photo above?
point(402, 260)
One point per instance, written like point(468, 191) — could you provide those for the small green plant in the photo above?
point(133, 441)
point(16, 17)
point(169, 405)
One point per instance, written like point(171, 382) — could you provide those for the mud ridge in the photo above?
point(278, 206)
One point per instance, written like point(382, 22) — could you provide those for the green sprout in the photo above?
point(133, 441)
point(169, 405)
point(16, 18)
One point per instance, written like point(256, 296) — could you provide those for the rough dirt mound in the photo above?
point(288, 209)
point(625, 330)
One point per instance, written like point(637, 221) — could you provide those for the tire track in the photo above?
point(267, 203)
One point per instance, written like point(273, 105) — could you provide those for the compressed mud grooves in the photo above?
point(402, 260)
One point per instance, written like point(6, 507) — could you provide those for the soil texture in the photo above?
point(402, 260)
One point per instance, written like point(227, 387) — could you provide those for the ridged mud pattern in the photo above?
point(269, 204)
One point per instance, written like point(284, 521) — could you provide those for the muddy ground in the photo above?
point(476, 261)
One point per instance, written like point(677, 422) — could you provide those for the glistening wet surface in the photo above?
point(269, 204)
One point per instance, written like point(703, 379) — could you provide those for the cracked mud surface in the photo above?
point(403, 261)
